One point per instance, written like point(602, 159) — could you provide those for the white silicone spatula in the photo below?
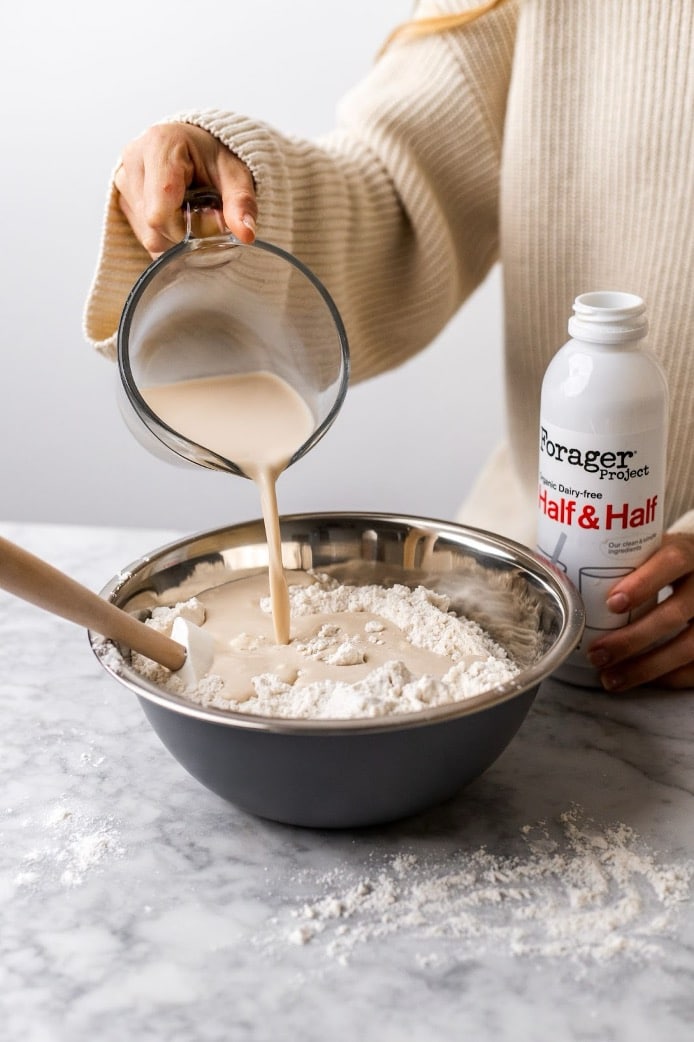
point(36, 581)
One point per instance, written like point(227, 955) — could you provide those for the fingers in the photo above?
point(674, 559)
point(151, 181)
point(159, 166)
point(659, 624)
point(669, 665)
point(659, 645)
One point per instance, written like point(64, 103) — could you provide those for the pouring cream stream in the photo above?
point(255, 420)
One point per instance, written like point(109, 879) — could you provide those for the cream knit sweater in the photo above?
point(555, 136)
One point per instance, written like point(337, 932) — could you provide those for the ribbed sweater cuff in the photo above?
point(122, 259)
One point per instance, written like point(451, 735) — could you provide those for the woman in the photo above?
point(558, 138)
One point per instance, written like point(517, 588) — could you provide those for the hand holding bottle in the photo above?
point(658, 648)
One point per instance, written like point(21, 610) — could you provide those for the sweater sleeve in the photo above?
point(396, 210)
point(684, 523)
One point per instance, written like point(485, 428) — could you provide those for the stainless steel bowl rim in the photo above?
point(528, 678)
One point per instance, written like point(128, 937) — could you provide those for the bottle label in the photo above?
point(600, 510)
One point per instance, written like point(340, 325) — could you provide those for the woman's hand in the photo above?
point(158, 167)
point(657, 648)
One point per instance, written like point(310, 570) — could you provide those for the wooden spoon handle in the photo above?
point(32, 579)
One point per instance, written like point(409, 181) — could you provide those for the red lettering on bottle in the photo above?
point(611, 516)
point(561, 510)
point(631, 517)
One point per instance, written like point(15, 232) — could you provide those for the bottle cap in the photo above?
point(608, 317)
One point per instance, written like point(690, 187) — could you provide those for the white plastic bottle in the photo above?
point(603, 444)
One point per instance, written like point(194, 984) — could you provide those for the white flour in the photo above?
point(73, 847)
point(354, 625)
point(579, 891)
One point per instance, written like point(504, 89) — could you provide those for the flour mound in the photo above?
point(424, 620)
point(422, 615)
point(365, 636)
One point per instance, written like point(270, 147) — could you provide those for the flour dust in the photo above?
point(577, 891)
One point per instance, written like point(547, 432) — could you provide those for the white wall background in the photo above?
point(79, 79)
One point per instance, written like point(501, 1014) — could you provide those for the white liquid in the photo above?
point(255, 420)
point(244, 648)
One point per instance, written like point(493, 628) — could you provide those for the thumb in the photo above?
point(239, 203)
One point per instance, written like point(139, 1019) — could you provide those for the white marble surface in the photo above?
point(135, 904)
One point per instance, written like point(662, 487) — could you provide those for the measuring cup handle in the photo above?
point(200, 201)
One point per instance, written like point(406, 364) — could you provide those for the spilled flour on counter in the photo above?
point(355, 651)
point(577, 891)
point(75, 845)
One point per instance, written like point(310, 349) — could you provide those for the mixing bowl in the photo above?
point(355, 772)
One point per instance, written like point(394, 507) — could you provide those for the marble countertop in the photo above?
point(550, 899)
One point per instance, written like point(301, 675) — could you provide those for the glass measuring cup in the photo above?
point(213, 306)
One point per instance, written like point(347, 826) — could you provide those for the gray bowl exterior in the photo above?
point(340, 780)
point(338, 774)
